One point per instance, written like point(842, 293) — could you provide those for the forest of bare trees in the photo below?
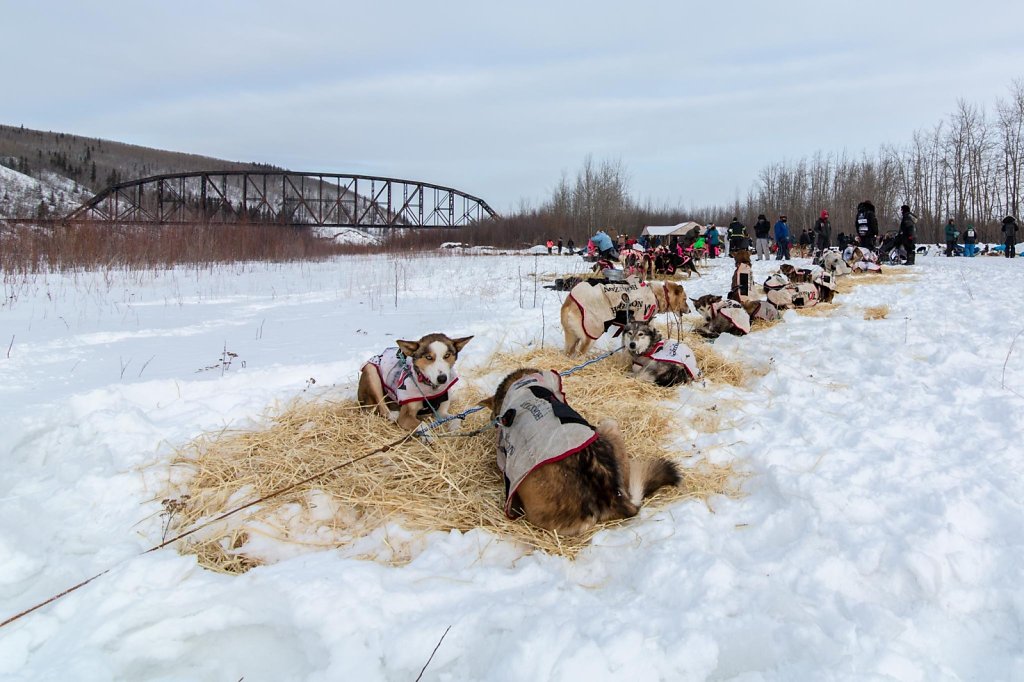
point(969, 167)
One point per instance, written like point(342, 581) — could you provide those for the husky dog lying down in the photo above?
point(783, 293)
point(660, 362)
point(560, 472)
point(721, 316)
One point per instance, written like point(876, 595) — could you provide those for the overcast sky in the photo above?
point(499, 101)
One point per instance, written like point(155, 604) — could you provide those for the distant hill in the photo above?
point(45, 195)
point(48, 174)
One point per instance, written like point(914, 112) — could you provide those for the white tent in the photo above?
point(672, 230)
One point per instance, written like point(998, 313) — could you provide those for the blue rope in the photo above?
point(573, 370)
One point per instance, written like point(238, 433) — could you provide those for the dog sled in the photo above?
point(891, 251)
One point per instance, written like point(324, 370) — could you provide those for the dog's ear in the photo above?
point(461, 343)
point(408, 347)
point(488, 403)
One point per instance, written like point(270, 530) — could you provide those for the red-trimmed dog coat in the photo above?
point(403, 383)
point(536, 427)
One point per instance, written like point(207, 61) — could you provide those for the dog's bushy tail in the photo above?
point(648, 475)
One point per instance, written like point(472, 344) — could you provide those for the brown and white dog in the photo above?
point(796, 275)
point(411, 380)
point(721, 316)
point(590, 310)
point(560, 472)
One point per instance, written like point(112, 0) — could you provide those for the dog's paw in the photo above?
point(393, 416)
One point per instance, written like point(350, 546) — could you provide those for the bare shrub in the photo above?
point(28, 248)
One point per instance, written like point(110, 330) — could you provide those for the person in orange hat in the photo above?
point(822, 233)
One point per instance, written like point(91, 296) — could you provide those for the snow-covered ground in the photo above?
point(880, 536)
point(20, 194)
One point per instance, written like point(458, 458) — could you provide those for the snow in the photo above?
point(20, 194)
point(668, 230)
point(879, 536)
point(347, 235)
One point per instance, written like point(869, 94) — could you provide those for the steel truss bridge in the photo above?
point(283, 198)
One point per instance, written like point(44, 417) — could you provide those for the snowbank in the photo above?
point(880, 536)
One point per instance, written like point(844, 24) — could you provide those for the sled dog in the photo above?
point(742, 278)
point(411, 380)
point(796, 275)
point(762, 310)
point(832, 262)
point(590, 310)
point(656, 361)
point(560, 472)
point(721, 316)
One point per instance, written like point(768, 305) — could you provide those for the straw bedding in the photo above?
point(451, 483)
point(876, 312)
point(448, 484)
point(888, 275)
point(820, 310)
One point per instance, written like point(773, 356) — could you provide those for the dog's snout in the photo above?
point(442, 377)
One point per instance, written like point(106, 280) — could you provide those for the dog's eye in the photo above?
point(447, 355)
point(430, 356)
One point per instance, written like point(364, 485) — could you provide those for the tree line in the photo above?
point(969, 166)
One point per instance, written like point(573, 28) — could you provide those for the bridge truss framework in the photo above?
point(284, 198)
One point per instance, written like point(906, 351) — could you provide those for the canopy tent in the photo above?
point(672, 230)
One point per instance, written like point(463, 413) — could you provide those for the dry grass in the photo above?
point(876, 312)
point(888, 275)
point(819, 310)
point(26, 249)
point(449, 484)
point(584, 274)
point(714, 366)
point(757, 324)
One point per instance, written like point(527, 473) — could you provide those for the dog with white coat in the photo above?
point(411, 381)
point(590, 310)
point(657, 361)
point(560, 472)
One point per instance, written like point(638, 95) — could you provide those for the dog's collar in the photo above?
point(415, 371)
point(654, 349)
point(422, 378)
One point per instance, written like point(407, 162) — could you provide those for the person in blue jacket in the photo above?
point(970, 241)
point(782, 238)
point(605, 245)
point(714, 241)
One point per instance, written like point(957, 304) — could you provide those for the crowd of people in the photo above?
point(778, 239)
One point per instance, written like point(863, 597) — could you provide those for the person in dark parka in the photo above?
point(866, 224)
point(822, 233)
point(907, 236)
point(762, 229)
point(1010, 230)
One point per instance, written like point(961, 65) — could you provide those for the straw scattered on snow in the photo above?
point(821, 309)
point(448, 484)
point(876, 312)
point(888, 275)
